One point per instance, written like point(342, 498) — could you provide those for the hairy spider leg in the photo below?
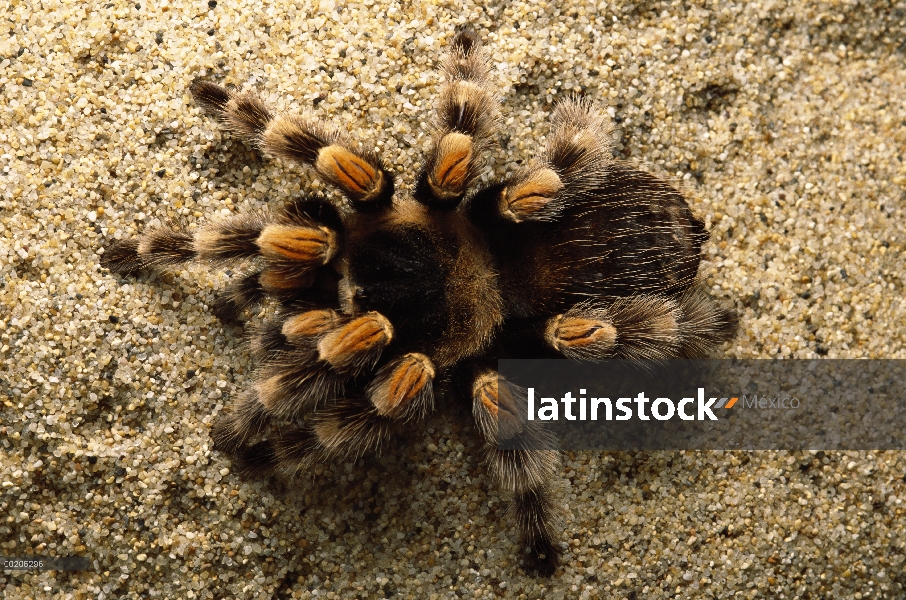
point(522, 461)
point(572, 166)
point(359, 174)
point(642, 327)
point(292, 247)
point(464, 123)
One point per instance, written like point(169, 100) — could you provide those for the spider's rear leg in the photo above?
point(359, 175)
point(637, 327)
point(579, 145)
point(643, 327)
point(704, 324)
point(574, 164)
point(522, 460)
point(465, 120)
point(531, 194)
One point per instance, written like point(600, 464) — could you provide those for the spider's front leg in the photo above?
point(522, 461)
point(346, 427)
point(400, 391)
point(305, 361)
point(292, 246)
point(359, 175)
point(308, 362)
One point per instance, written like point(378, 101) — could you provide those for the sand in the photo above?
point(783, 122)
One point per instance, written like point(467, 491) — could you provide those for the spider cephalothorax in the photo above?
point(385, 297)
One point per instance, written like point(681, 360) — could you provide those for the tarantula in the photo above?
point(388, 301)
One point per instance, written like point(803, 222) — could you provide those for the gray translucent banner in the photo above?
point(705, 405)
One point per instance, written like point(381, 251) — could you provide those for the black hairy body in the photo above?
point(632, 235)
point(388, 301)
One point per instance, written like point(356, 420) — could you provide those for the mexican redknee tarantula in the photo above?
point(387, 300)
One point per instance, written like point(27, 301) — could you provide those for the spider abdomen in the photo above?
point(632, 234)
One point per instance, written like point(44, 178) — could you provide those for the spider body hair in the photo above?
point(388, 303)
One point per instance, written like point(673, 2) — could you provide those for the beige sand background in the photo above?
point(786, 122)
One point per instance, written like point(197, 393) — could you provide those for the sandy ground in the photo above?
point(784, 122)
